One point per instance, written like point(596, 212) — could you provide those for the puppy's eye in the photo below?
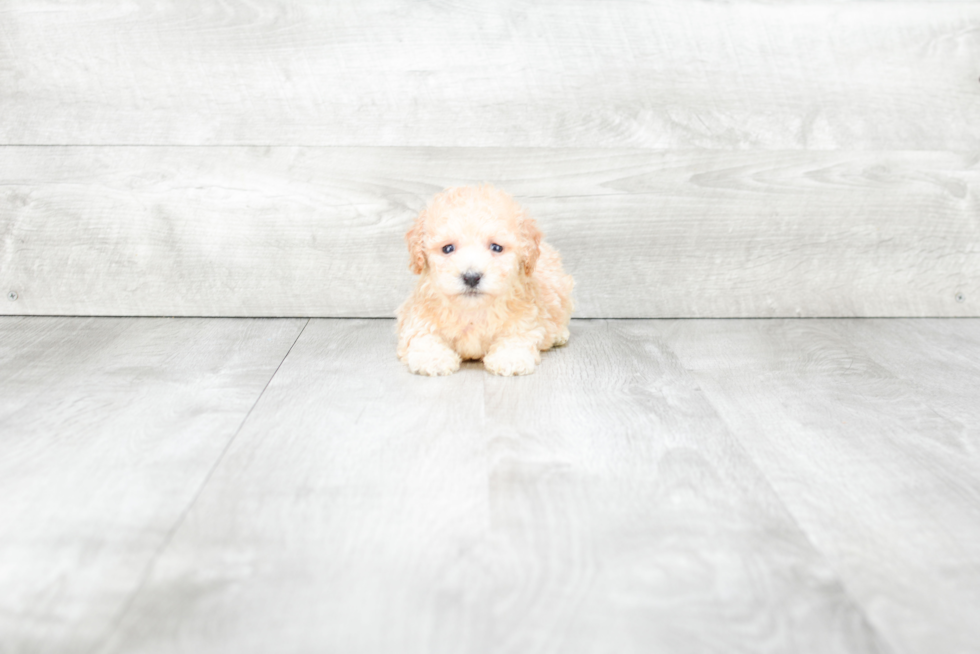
point(448, 249)
point(496, 248)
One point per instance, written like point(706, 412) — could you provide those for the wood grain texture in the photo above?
point(318, 231)
point(628, 518)
point(599, 505)
point(108, 428)
point(868, 431)
point(343, 518)
point(671, 74)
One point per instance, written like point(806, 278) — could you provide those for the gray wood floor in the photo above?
point(250, 485)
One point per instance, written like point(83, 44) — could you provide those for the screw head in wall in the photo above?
point(960, 297)
point(12, 295)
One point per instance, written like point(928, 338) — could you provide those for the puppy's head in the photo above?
point(473, 243)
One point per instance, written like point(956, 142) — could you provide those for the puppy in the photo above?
point(489, 288)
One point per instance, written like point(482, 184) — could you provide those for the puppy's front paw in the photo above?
point(432, 362)
point(511, 361)
point(562, 337)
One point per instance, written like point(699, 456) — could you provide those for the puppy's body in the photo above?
point(489, 288)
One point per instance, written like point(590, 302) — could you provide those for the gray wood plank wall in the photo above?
point(688, 158)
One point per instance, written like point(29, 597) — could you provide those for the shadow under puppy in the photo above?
point(489, 288)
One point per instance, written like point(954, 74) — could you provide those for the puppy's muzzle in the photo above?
point(472, 279)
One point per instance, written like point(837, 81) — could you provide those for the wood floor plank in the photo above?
point(599, 505)
point(341, 520)
point(108, 428)
point(869, 432)
point(626, 517)
point(666, 74)
point(318, 231)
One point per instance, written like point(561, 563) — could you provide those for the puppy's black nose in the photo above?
point(471, 279)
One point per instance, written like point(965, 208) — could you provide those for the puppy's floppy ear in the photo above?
point(416, 249)
point(530, 244)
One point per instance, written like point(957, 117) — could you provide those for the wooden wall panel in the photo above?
point(292, 231)
point(569, 73)
point(689, 158)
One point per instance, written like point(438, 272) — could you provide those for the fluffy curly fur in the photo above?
point(489, 288)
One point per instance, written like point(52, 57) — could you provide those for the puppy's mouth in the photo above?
point(472, 292)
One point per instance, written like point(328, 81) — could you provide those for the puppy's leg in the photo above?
point(512, 357)
point(428, 354)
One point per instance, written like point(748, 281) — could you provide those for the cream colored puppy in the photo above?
point(489, 288)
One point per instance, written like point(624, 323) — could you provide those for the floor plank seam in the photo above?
point(101, 643)
point(838, 575)
point(881, 639)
